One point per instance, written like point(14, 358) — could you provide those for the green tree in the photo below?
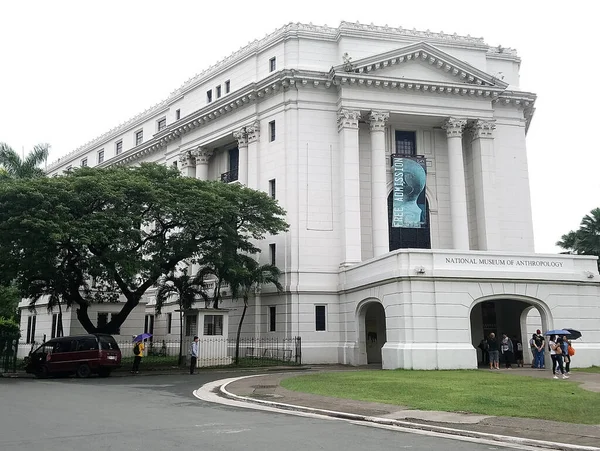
point(102, 235)
point(585, 240)
point(16, 167)
point(248, 277)
point(9, 302)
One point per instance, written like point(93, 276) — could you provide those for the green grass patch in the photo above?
point(478, 392)
point(590, 369)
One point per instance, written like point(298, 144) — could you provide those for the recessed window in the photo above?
point(272, 188)
point(174, 164)
point(100, 156)
point(272, 64)
point(209, 96)
point(118, 147)
point(177, 115)
point(406, 143)
point(162, 124)
point(102, 319)
point(273, 253)
point(227, 87)
point(320, 318)
point(56, 326)
point(169, 322)
point(272, 318)
point(272, 131)
point(31, 329)
point(149, 324)
point(139, 137)
point(218, 92)
point(191, 325)
point(213, 324)
point(84, 163)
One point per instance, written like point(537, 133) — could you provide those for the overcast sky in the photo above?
point(71, 70)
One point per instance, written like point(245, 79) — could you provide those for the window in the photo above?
point(272, 131)
point(191, 325)
point(272, 188)
point(87, 344)
point(227, 87)
point(272, 64)
point(139, 137)
point(320, 321)
point(218, 91)
point(84, 162)
point(102, 319)
point(177, 115)
point(118, 147)
point(100, 156)
point(272, 253)
point(213, 325)
point(31, 329)
point(118, 331)
point(149, 324)
point(162, 124)
point(209, 96)
point(272, 317)
point(406, 143)
point(169, 321)
point(174, 164)
point(56, 326)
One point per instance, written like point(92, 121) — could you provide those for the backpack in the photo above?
point(571, 351)
point(136, 349)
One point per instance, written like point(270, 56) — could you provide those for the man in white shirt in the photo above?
point(193, 354)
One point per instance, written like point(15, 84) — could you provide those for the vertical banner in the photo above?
point(409, 209)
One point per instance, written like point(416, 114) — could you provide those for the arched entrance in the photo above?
point(371, 331)
point(503, 314)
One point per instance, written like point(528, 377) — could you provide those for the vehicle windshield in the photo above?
point(108, 343)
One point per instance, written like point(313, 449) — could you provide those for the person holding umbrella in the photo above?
point(138, 351)
point(556, 356)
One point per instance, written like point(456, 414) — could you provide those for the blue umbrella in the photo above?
point(141, 337)
point(558, 332)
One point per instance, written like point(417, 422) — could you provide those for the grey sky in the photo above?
point(72, 70)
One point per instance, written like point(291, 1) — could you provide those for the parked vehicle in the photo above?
point(80, 355)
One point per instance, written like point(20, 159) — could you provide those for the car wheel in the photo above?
point(83, 371)
point(42, 372)
point(104, 372)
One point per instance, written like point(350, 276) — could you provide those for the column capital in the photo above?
point(201, 155)
point(483, 129)
point(454, 127)
point(377, 120)
point(253, 132)
point(347, 118)
point(185, 160)
point(241, 136)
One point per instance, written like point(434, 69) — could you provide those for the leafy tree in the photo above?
point(16, 167)
point(102, 235)
point(585, 240)
point(9, 302)
point(248, 277)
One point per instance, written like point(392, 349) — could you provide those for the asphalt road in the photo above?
point(157, 413)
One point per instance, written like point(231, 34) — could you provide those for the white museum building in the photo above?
point(400, 158)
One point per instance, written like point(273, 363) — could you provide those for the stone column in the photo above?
point(201, 155)
point(253, 133)
point(379, 214)
point(242, 139)
point(458, 197)
point(186, 164)
point(350, 186)
point(484, 177)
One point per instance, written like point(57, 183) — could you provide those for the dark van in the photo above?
point(80, 355)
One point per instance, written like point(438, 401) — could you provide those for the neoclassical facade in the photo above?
point(317, 117)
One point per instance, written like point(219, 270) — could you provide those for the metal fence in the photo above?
point(9, 345)
point(216, 351)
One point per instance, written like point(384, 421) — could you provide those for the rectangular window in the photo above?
point(320, 320)
point(191, 325)
point(272, 253)
point(169, 321)
point(177, 115)
point(209, 96)
point(227, 87)
point(162, 124)
point(272, 131)
point(272, 188)
point(139, 137)
point(84, 163)
point(149, 324)
point(174, 164)
point(272, 318)
point(272, 64)
point(213, 324)
point(31, 329)
point(406, 143)
point(101, 156)
point(218, 92)
point(102, 319)
point(55, 332)
point(28, 337)
point(118, 147)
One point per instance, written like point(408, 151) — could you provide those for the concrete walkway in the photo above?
point(268, 388)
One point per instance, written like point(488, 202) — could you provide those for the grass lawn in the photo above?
point(479, 392)
point(591, 369)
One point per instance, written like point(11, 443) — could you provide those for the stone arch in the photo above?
point(371, 330)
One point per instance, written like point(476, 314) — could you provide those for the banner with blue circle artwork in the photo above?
point(409, 178)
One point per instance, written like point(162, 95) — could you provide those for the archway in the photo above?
point(506, 314)
point(371, 331)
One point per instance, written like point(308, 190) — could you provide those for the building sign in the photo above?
point(408, 206)
point(499, 262)
point(505, 262)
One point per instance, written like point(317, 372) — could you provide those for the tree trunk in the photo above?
point(114, 324)
point(84, 319)
point(239, 331)
point(180, 359)
point(60, 321)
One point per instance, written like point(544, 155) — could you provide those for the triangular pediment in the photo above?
point(420, 61)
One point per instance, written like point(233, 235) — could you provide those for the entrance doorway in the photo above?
point(375, 331)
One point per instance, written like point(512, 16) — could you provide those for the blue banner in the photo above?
point(409, 209)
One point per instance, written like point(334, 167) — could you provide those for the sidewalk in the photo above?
point(268, 388)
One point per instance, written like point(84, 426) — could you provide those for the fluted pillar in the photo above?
point(253, 133)
point(458, 197)
point(379, 214)
point(201, 155)
point(186, 164)
point(242, 139)
point(350, 186)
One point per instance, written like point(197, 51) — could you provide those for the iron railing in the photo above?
point(230, 176)
point(9, 344)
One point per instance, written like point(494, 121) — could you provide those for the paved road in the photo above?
point(154, 413)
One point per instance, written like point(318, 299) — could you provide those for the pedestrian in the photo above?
point(564, 346)
point(538, 348)
point(138, 353)
point(193, 354)
point(542, 350)
point(556, 356)
point(507, 349)
point(518, 351)
point(571, 353)
point(483, 345)
point(493, 352)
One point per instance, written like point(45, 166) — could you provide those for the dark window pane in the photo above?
point(234, 159)
point(272, 319)
point(108, 343)
point(320, 317)
point(406, 143)
point(213, 325)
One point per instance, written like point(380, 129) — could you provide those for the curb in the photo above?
point(405, 424)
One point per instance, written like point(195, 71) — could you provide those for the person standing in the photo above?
point(493, 352)
point(542, 345)
point(506, 347)
point(564, 346)
point(534, 349)
point(518, 351)
point(556, 356)
point(138, 353)
point(193, 354)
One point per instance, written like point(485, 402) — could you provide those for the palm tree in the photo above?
point(16, 167)
point(187, 289)
point(585, 240)
point(248, 276)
